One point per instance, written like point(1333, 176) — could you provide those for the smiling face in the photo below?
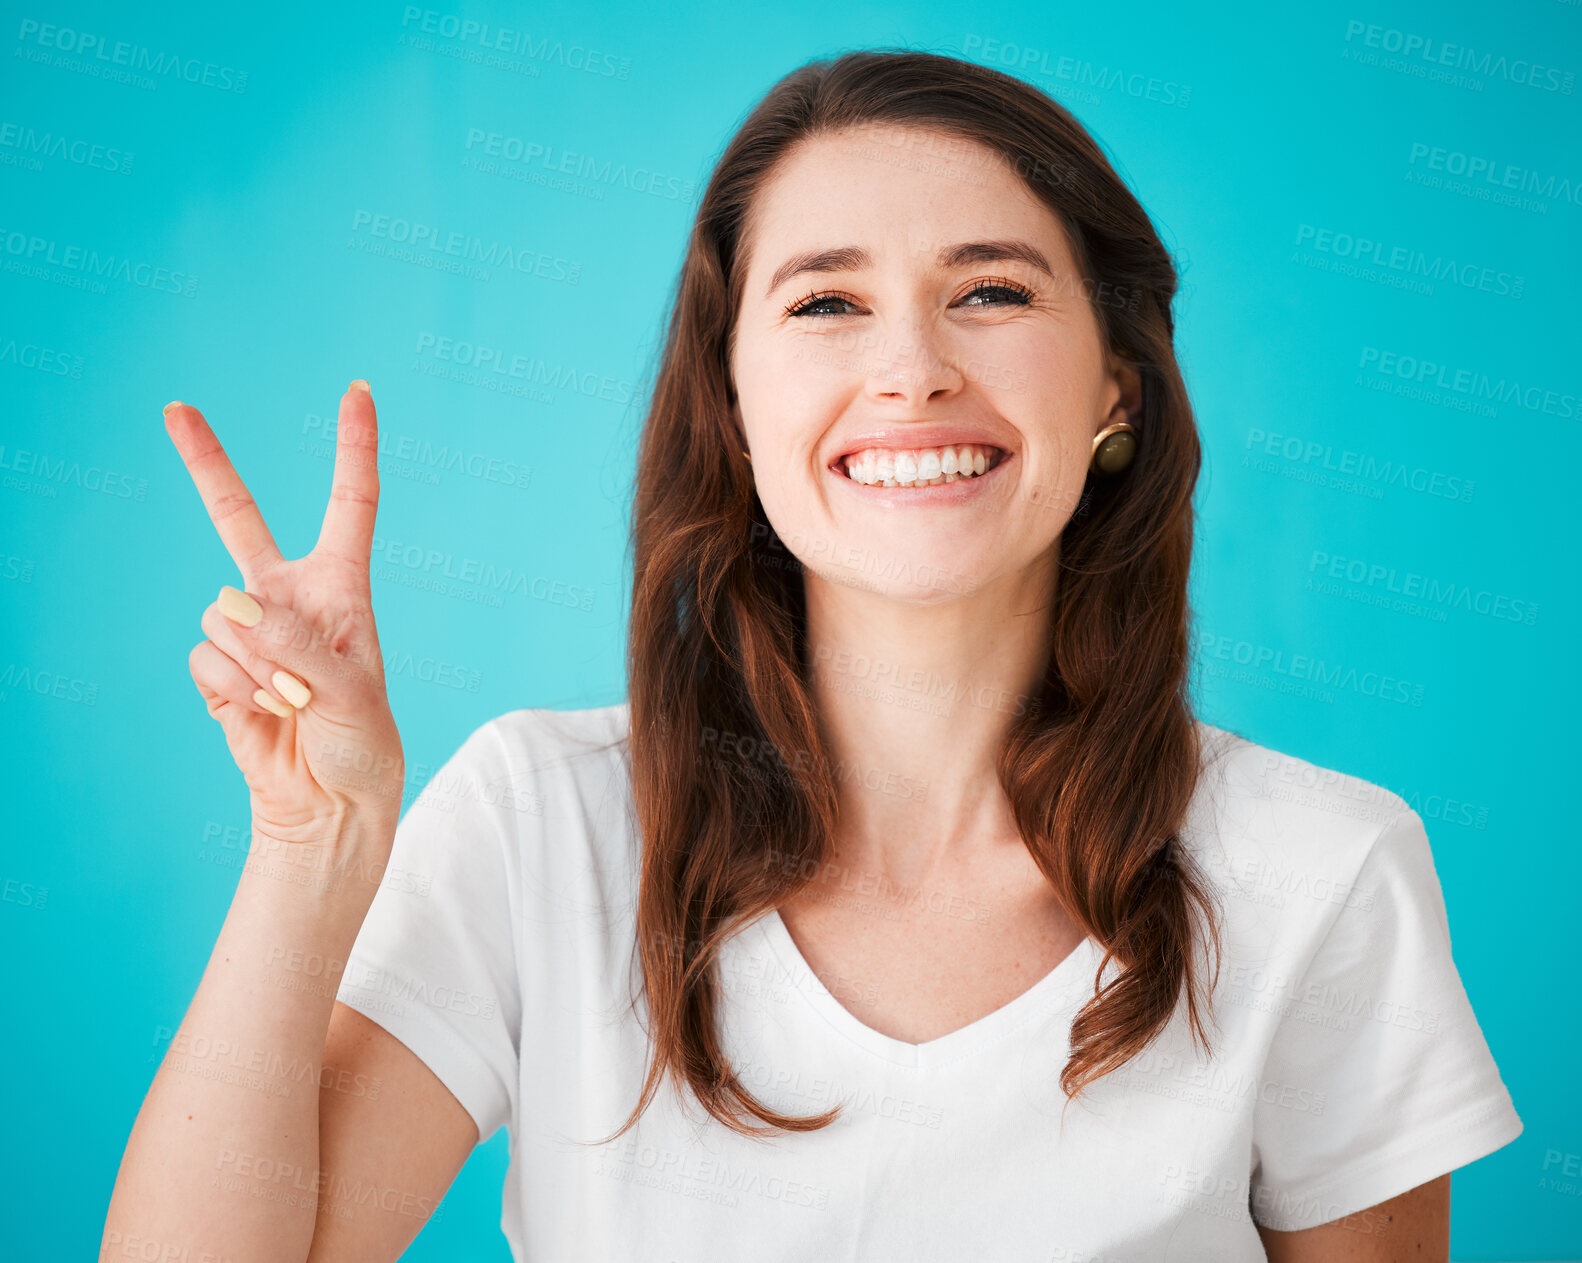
point(892, 315)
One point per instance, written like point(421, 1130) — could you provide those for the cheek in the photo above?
point(790, 496)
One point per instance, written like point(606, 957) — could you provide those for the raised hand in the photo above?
point(291, 667)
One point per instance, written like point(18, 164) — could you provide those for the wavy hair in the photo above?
point(1099, 771)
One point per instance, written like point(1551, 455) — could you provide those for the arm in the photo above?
point(276, 1107)
point(408, 1142)
point(270, 1101)
point(1411, 1228)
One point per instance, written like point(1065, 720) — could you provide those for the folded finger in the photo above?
point(284, 657)
point(222, 681)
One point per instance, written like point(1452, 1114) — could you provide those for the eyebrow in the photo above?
point(852, 258)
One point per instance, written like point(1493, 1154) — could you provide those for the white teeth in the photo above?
point(917, 467)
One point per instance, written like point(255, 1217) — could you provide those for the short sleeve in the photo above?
point(434, 962)
point(1378, 1077)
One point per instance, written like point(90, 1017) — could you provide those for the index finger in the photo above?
point(348, 529)
point(232, 509)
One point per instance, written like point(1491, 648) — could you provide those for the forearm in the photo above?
point(223, 1160)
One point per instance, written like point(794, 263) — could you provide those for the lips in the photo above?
point(998, 453)
point(902, 466)
point(905, 434)
point(943, 492)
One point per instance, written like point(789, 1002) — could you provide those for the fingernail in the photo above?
point(291, 688)
point(272, 703)
point(174, 403)
point(237, 606)
point(360, 384)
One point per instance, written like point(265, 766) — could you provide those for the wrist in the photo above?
point(342, 857)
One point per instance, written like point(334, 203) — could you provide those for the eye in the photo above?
point(805, 306)
point(1020, 294)
point(994, 291)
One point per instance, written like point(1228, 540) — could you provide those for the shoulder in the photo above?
point(537, 746)
point(1289, 843)
point(1293, 792)
point(553, 789)
point(535, 737)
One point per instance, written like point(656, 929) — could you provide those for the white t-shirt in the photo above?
point(1347, 1065)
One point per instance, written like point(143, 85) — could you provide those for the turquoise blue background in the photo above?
point(123, 809)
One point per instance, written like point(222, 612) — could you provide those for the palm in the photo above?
point(274, 755)
point(309, 766)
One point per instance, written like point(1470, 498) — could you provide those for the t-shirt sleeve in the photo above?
point(434, 962)
point(1378, 1077)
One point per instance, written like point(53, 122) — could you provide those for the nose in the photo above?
point(913, 365)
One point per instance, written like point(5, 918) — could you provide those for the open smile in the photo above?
point(932, 475)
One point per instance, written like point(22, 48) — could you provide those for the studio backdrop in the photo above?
point(1377, 212)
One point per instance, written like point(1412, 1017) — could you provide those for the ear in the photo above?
point(1125, 390)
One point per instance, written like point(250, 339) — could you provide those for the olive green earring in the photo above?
point(1113, 448)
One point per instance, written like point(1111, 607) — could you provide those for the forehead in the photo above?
point(899, 192)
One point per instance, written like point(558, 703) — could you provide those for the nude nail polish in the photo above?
point(237, 606)
point(291, 688)
point(360, 384)
point(272, 704)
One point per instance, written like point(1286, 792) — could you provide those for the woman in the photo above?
point(951, 933)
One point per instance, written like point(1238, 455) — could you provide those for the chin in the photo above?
point(905, 569)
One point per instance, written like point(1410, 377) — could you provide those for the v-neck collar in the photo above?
point(1061, 983)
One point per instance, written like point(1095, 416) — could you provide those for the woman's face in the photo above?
point(890, 351)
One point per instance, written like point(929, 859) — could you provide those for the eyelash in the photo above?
point(799, 307)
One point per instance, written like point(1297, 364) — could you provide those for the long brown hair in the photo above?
point(1099, 772)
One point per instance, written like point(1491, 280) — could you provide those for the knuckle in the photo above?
point(293, 643)
point(258, 666)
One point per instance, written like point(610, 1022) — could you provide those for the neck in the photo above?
point(914, 702)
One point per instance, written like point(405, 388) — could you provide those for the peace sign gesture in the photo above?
point(291, 667)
